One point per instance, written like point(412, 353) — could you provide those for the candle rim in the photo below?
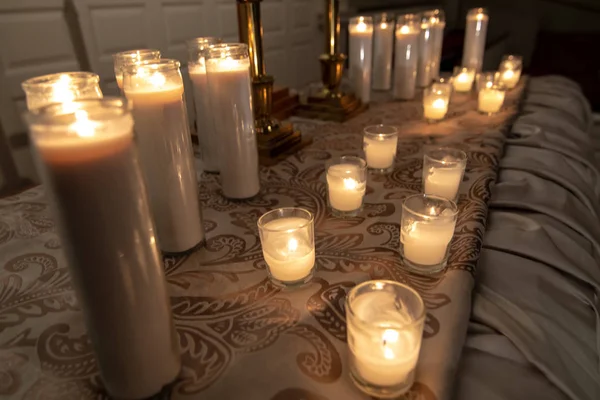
point(126, 57)
point(153, 66)
point(48, 82)
point(371, 130)
point(459, 154)
point(450, 203)
point(198, 45)
point(279, 212)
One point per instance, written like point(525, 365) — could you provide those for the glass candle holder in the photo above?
point(346, 185)
point(155, 89)
point(230, 92)
point(426, 231)
point(435, 103)
point(406, 56)
point(384, 324)
point(63, 87)
point(443, 171)
point(88, 161)
point(443, 84)
point(124, 59)
point(475, 36)
point(490, 99)
point(288, 245)
point(383, 52)
point(426, 49)
point(360, 58)
point(380, 143)
point(510, 70)
point(486, 80)
point(205, 124)
point(437, 21)
point(462, 79)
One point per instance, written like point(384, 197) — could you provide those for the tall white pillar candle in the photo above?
point(437, 22)
point(406, 56)
point(124, 59)
point(230, 92)
point(361, 56)
point(205, 123)
point(155, 89)
point(475, 36)
point(426, 47)
point(383, 53)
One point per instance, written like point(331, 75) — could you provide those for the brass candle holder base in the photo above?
point(279, 143)
point(284, 103)
point(324, 107)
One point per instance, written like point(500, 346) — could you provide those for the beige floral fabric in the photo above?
point(240, 336)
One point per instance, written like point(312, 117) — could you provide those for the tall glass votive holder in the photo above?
point(383, 52)
point(346, 185)
point(486, 80)
point(288, 244)
point(435, 102)
point(426, 231)
point(380, 143)
point(384, 323)
point(463, 78)
point(475, 37)
point(491, 99)
point(437, 21)
point(406, 56)
point(360, 59)
point(443, 171)
point(124, 59)
point(62, 87)
point(510, 70)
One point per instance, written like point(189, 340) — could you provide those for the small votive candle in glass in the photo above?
point(463, 78)
point(288, 245)
point(485, 80)
point(443, 171)
point(510, 70)
point(380, 143)
point(127, 58)
point(384, 323)
point(490, 99)
point(435, 102)
point(346, 184)
point(426, 231)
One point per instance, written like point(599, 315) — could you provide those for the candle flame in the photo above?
point(463, 77)
point(157, 79)
point(292, 245)
point(439, 103)
point(432, 211)
point(383, 25)
point(389, 336)
point(489, 84)
point(508, 74)
point(405, 29)
point(480, 17)
point(361, 27)
point(62, 91)
point(82, 125)
point(350, 184)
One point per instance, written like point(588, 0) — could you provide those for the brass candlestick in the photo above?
point(275, 139)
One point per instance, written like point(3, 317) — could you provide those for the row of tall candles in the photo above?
point(418, 50)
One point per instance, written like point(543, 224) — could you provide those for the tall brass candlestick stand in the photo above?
point(332, 104)
point(275, 139)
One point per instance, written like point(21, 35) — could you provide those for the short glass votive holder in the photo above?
point(486, 80)
point(288, 243)
point(510, 70)
point(384, 323)
point(443, 83)
point(426, 231)
point(491, 99)
point(443, 171)
point(463, 78)
point(380, 143)
point(435, 102)
point(346, 185)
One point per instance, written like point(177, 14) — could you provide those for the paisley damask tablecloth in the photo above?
point(240, 336)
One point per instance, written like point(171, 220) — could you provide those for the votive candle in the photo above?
point(490, 99)
point(443, 171)
point(463, 78)
point(346, 184)
point(380, 143)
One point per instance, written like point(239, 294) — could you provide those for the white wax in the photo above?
point(490, 100)
point(405, 64)
point(380, 151)
point(290, 256)
point(435, 109)
point(345, 191)
point(475, 34)
point(230, 92)
point(463, 82)
point(425, 243)
point(510, 78)
point(382, 62)
point(361, 55)
point(443, 182)
point(205, 128)
point(426, 48)
point(437, 31)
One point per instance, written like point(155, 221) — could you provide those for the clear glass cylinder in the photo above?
point(426, 50)
point(90, 169)
point(437, 21)
point(384, 323)
point(230, 92)
point(491, 99)
point(408, 28)
point(475, 36)
point(510, 70)
point(360, 59)
point(383, 52)
point(486, 80)
point(204, 121)
point(62, 87)
point(380, 143)
point(346, 185)
point(155, 89)
point(427, 229)
point(288, 244)
point(443, 171)
point(435, 102)
point(463, 78)
point(124, 59)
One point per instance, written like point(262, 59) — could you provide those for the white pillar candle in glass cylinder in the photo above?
point(463, 78)
point(490, 99)
point(205, 123)
point(346, 185)
point(155, 89)
point(62, 87)
point(287, 238)
point(426, 47)
point(435, 102)
point(406, 56)
point(383, 53)
point(230, 91)
point(124, 59)
point(475, 36)
point(510, 70)
point(443, 171)
point(361, 56)
point(385, 325)
point(380, 143)
point(437, 21)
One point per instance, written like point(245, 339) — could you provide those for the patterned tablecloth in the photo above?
point(240, 336)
